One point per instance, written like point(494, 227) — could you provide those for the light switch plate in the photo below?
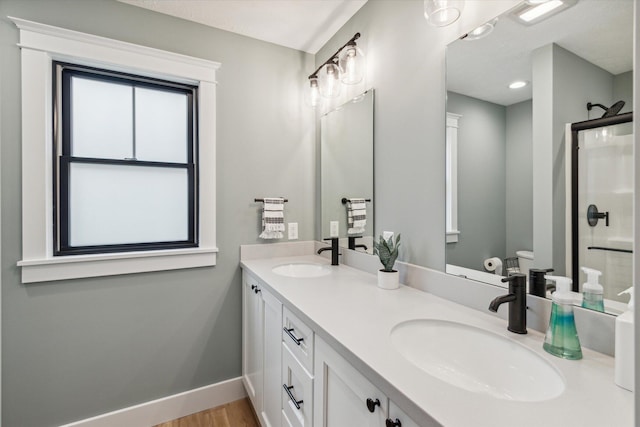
point(334, 230)
point(387, 234)
point(293, 230)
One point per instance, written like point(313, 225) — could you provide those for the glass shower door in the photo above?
point(605, 206)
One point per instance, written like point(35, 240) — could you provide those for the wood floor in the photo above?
point(234, 414)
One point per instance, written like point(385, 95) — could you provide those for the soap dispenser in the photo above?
point(561, 338)
point(624, 371)
point(592, 290)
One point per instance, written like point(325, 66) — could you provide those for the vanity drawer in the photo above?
point(298, 338)
point(297, 391)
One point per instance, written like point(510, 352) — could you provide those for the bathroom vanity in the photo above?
point(324, 346)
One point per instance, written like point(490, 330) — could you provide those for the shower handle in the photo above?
point(593, 216)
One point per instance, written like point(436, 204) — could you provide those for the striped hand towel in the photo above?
point(273, 218)
point(356, 216)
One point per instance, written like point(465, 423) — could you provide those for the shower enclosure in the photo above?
point(601, 215)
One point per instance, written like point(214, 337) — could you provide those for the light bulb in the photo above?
point(352, 64)
point(329, 80)
point(314, 92)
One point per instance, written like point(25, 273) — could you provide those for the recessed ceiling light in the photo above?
point(518, 84)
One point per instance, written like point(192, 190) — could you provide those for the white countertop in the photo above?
point(351, 313)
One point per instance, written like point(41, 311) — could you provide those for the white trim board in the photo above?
point(42, 44)
point(170, 407)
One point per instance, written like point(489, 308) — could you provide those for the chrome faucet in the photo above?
point(517, 299)
point(334, 250)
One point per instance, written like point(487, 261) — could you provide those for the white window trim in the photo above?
point(40, 45)
point(452, 178)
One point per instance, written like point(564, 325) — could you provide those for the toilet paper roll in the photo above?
point(493, 265)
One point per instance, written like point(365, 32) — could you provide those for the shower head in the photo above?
point(608, 112)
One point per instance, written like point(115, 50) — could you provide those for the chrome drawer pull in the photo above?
point(293, 337)
point(295, 402)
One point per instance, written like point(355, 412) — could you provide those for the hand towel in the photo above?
point(356, 215)
point(273, 218)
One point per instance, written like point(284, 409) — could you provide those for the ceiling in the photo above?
point(304, 25)
point(598, 31)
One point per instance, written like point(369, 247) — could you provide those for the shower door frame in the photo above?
point(575, 129)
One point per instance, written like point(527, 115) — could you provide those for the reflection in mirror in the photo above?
point(346, 172)
point(509, 167)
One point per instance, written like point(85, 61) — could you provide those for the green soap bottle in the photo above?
point(592, 291)
point(561, 338)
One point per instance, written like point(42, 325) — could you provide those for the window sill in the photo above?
point(452, 236)
point(79, 266)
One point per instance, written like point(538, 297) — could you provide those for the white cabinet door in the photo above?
point(252, 341)
point(342, 395)
point(272, 360)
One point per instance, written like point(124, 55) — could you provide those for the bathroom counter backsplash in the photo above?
point(353, 315)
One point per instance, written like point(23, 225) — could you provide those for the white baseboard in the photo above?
point(170, 407)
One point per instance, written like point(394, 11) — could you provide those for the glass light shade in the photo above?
point(442, 12)
point(481, 31)
point(329, 80)
point(352, 64)
point(314, 92)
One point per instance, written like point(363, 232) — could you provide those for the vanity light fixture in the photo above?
point(480, 32)
point(534, 11)
point(441, 13)
point(346, 66)
point(518, 84)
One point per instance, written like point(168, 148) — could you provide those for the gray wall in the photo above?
point(79, 348)
point(575, 82)
point(519, 176)
point(495, 188)
point(623, 90)
point(564, 84)
point(481, 181)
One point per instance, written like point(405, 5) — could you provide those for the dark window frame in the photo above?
point(62, 158)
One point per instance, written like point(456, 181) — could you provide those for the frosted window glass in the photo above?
point(161, 126)
point(102, 119)
point(113, 204)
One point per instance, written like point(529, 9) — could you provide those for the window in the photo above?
point(129, 147)
point(125, 162)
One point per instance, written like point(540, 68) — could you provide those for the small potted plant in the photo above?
point(387, 251)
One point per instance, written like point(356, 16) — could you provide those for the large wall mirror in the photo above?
point(509, 150)
point(346, 173)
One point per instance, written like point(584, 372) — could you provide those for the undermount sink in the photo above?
point(477, 360)
point(302, 270)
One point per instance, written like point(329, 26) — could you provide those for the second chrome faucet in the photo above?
point(517, 299)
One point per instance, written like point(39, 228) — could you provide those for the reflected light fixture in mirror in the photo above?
point(481, 31)
point(346, 66)
point(532, 11)
point(441, 13)
point(518, 84)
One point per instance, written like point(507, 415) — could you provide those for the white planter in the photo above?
point(388, 279)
